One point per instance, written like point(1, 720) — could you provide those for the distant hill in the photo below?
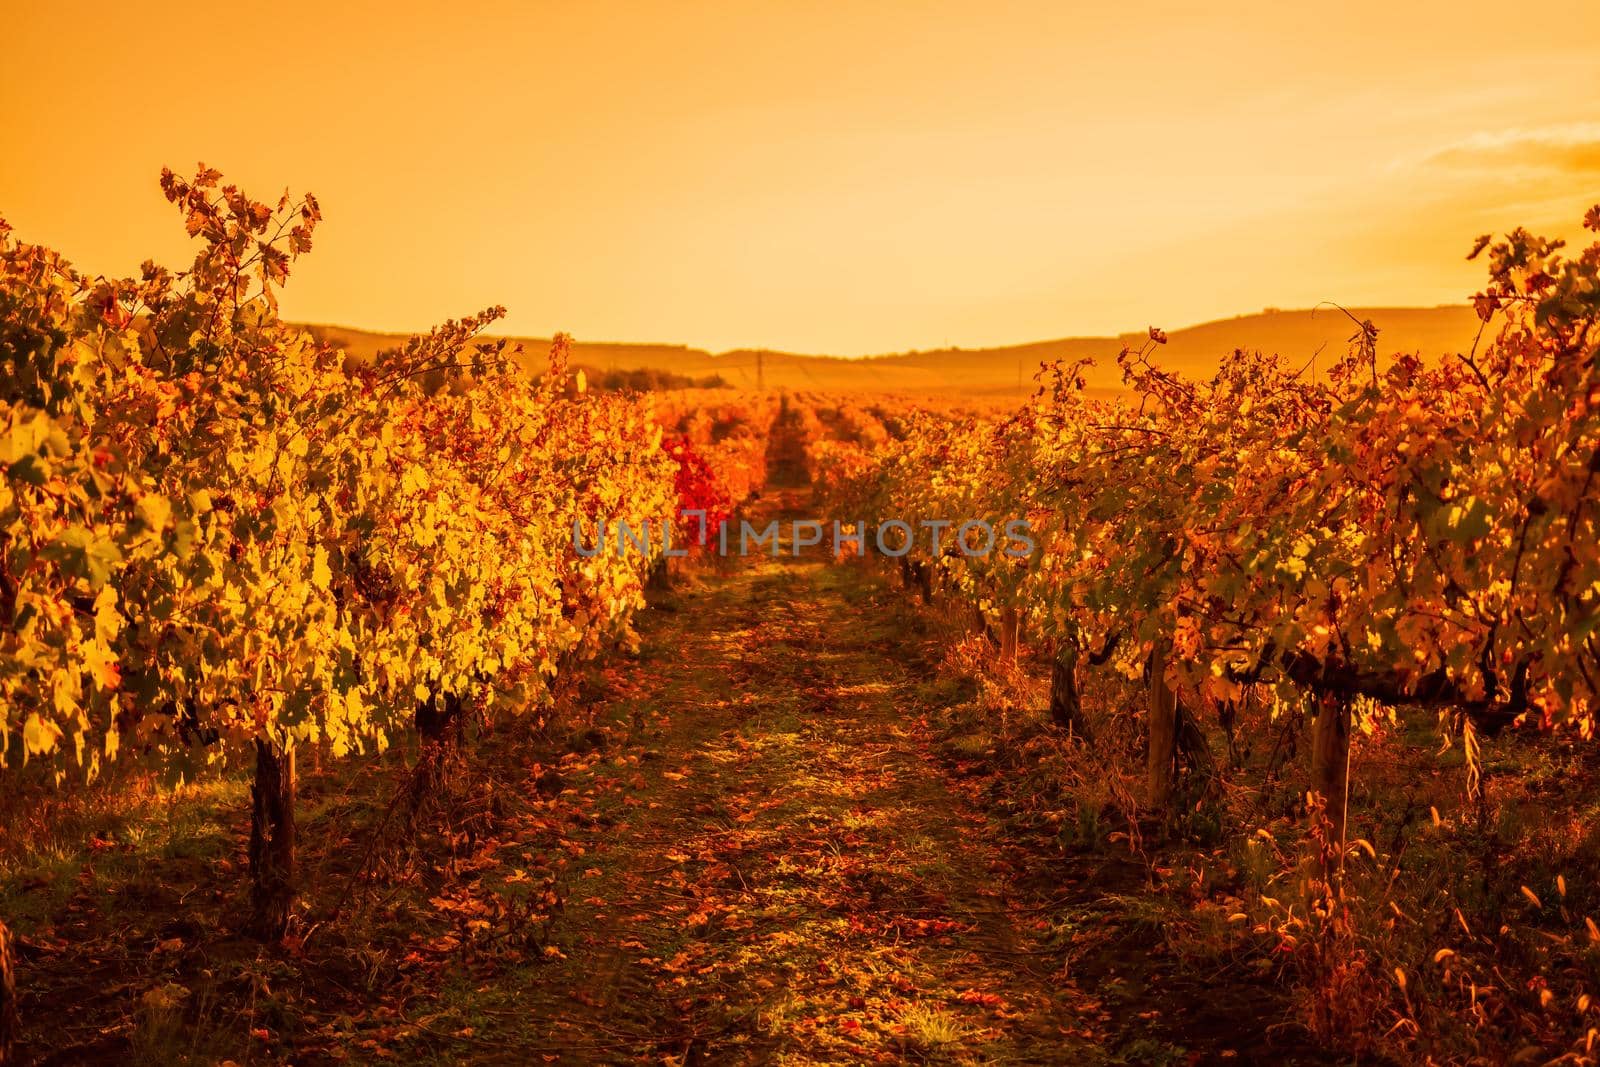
point(1195, 350)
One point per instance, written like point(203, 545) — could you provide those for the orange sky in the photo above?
point(824, 177)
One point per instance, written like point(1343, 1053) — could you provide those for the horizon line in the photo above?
point(1325, 306)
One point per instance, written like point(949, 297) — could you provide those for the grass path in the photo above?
point(787, 872)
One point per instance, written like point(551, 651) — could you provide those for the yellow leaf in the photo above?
point(101, 663)
point(107, 620)
point(39, 736)
point(321, 576)
point(154, 511)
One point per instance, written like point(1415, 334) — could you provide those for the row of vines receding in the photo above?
point(1221, 566)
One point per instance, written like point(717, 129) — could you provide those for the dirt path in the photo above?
point(776, 868)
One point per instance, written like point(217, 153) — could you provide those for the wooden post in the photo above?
point(1066, 709)
point(272, 866)
point(439, 721)
point(1330, 761)
point(438, 717)
point(8, 999)
point(1010, 634)
point(1161, 761)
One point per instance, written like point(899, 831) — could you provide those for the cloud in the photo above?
point(1571, 149)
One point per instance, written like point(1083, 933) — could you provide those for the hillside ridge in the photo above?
point(1301, 334)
